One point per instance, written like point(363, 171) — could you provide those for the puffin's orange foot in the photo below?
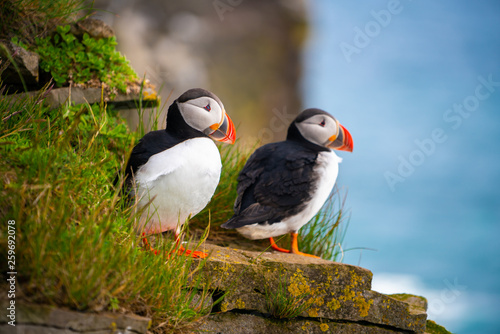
point(276, 248)
point(294, 248)
point(191, 253)
point(305, 254)
point(147, 246)
point(180, 251)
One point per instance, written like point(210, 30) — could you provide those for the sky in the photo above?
point(417, 84)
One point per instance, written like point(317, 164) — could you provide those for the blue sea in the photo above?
point(417, 84)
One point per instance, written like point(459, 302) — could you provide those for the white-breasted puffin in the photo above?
point(283, 185)
point(174, 172)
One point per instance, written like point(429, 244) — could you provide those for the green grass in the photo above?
point(433, 328)
point(75, 244)
point(29, 19)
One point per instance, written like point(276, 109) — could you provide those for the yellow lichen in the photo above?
point(149, 95)
point(298, 284)
point(348, 294)
point(304, 327)
point(223, 306)
point(329, 280)
point(362, 304)
point(333, 304)
point(240, 303)
point(324, 327)
point(313, 312)
point(319, 301)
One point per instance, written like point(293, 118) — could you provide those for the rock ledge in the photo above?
point(339, 296)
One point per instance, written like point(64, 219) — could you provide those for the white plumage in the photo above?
point(188, 172)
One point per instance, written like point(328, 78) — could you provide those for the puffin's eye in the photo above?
point(323, 123)
point(207, 107)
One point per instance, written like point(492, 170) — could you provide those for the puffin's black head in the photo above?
point(318, 127)
point(200, 111)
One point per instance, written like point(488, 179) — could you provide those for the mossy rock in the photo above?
point(333, 291)
point(418, 303)
point(433, 328)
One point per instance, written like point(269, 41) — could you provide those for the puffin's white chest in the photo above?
point(324, 178)
point(179, 182)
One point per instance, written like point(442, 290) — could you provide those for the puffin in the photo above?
point(284, 184)
point(172, 173)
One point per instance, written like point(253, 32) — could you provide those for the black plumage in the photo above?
point(154, 142)
point(270, 192)
point(276, 182)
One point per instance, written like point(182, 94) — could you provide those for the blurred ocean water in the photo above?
point(418, 86)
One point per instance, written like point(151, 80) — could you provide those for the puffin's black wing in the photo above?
point(275, 183)
point(152, 143)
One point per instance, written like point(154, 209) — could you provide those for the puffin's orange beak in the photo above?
point(224, 132)
point(341, 141)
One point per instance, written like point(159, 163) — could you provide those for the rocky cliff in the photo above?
point(335, 297)
point(258, 293)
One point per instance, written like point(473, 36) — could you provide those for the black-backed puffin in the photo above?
point(174, 172)
point(284, 184)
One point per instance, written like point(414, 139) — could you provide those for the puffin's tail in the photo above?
point(230, 224)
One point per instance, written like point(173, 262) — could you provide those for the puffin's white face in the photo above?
point(319, 129)
point(325, 130)
point(203, 114)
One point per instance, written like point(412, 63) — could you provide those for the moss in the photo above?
point(417, 303)
point(433, 328)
